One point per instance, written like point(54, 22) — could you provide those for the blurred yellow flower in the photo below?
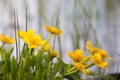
point(81, 68)
point(6, 39)
point(46, 45)
point(97, 59)
point(77, 56)
point(32, 41)
point(54, 53)
point(94, 50)
point(88, 45)
point(53, 30)
point(30, 32)
point(104, 54)
point(20, 34)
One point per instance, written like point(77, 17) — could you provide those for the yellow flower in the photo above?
point(20, 34)
point(94, 50)
point(81, 68)
point(54, 53)
point(53, 30)
point(46, 46)
point(104, 54)
point(97, 59)
point(76, 56)
point(90, 48)
point(6, 39)
point(88, 45)
point(30, 32)
point(32, 41)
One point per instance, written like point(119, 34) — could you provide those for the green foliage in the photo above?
point(33, 65)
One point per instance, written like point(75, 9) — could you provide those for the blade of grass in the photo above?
point(15, 34)
point(18, 38)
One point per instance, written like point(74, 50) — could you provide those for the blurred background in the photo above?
point(80, 21)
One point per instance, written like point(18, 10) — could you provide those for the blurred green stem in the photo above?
point(60, 76)
point(71, 69)
point(47, 40)
point(2, 45)
point(30, 53)
point(86, 59)
point(91, 64)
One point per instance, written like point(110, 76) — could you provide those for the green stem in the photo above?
point(86, 59)
point(23, 47)
point(30, 53)
point(60, 76)
point(47, 40)
point(71, 72)
point(91, 64)
point(71, 69)
point(2, 45)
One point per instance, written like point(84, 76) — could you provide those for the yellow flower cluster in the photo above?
point(81, 68)
point(96, 56)
point(33, 41)
point(77, 57)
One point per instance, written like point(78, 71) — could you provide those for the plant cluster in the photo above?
point(36, 59)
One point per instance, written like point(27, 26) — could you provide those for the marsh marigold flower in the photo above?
point(94, 50)
point(32, 41)
point(97, 59)
point(104, 54)
point(88, 45)
point(20, 34)
point(6, 39)
point(54, 53)
point(77, 56)
point(46, 45)
point(81, 68)
point(53, 30)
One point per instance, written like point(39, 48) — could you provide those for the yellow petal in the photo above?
point(97, 59)
point(88, 45)
point(20, 34)
point(32, 41)
point(46, 47)
point(81, 68)
point(53, 30)
point(30, 32)
point(6, 39)
point(70, 54)
point(104, 54)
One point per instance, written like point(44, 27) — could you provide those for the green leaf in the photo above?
point(14, 68)
point(56, 67)
point(74, 76)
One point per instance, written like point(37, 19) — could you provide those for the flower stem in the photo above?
point(60, 76)
point(2, 45)
point(47, 40)
point(91, 64)
point(71, 69)
point(71, 72)
point(86, 59)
